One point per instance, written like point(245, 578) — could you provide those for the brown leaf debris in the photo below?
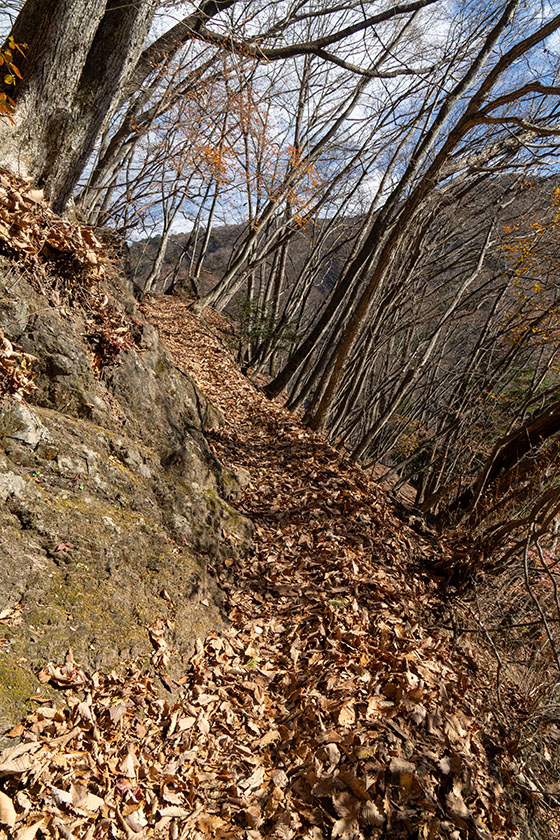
point(328, 709)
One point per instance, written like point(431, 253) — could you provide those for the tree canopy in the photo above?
point(410, 145)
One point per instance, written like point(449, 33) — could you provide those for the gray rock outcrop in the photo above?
point(113, 505)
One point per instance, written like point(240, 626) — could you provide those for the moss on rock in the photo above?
point(17, 685)
point(110, 513)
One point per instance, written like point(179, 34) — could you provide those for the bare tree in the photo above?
point(85, 61)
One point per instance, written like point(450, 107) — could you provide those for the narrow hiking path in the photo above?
point(331, 707)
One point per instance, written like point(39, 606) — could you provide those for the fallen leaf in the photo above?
point(29, 832)
point(372, 815)
point(400, 765)
point(84, 800)
point(347, 715)
point(173, 811)
point(35, 195)
point(7, 811)
point(255, 780)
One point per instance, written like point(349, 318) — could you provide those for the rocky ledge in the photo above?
point(114, 509)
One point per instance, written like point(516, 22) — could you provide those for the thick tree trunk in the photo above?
point(58, 35)
point(80, 54)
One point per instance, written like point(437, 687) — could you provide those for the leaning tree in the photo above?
point(89, 60)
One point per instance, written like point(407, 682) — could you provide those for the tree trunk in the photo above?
point(80, 54)
point(58, 36)
point(508, 452)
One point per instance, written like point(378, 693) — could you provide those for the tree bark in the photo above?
point(58, 35)
point(509, 451)
point(80, 54)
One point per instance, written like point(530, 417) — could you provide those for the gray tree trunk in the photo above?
point(80, 54)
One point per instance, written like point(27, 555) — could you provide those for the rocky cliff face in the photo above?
point(113, 506)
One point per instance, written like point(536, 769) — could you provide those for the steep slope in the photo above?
point(332, 706)
point(111, 498)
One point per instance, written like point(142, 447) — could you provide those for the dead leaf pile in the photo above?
point(66, 263)
point(16, 370)
point(31, 231)
point(331, 708)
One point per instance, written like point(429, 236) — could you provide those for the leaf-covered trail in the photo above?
point(354, 714)
point(330, 708)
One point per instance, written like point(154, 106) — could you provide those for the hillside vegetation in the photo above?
point(339, 696)
point(280, 497)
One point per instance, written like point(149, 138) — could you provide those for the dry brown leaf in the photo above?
point(186, 723)
point(356, 785)
point(209, 823)
point(203, 724)
point(83, 711)
point(401, 765)
point(455, 730)
point(346, 829)
point(61, 797)
point(279, 777)
point(269, 738)
point(7, 811)
point(117, 711)
point(457, 807)
point(84, 800)
point(136, 821)
point(347, 715)
point(63, 676)
point(29, 832)
point(372, 815)
point(173, 811)
point(255, 780)
point(18, 759)
point(128, 764)
point(35, 195)
point(15, 732)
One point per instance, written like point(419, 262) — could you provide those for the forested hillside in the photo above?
point(343, 219)
point(462, 357)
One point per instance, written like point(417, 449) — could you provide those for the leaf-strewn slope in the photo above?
point(332, 707)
